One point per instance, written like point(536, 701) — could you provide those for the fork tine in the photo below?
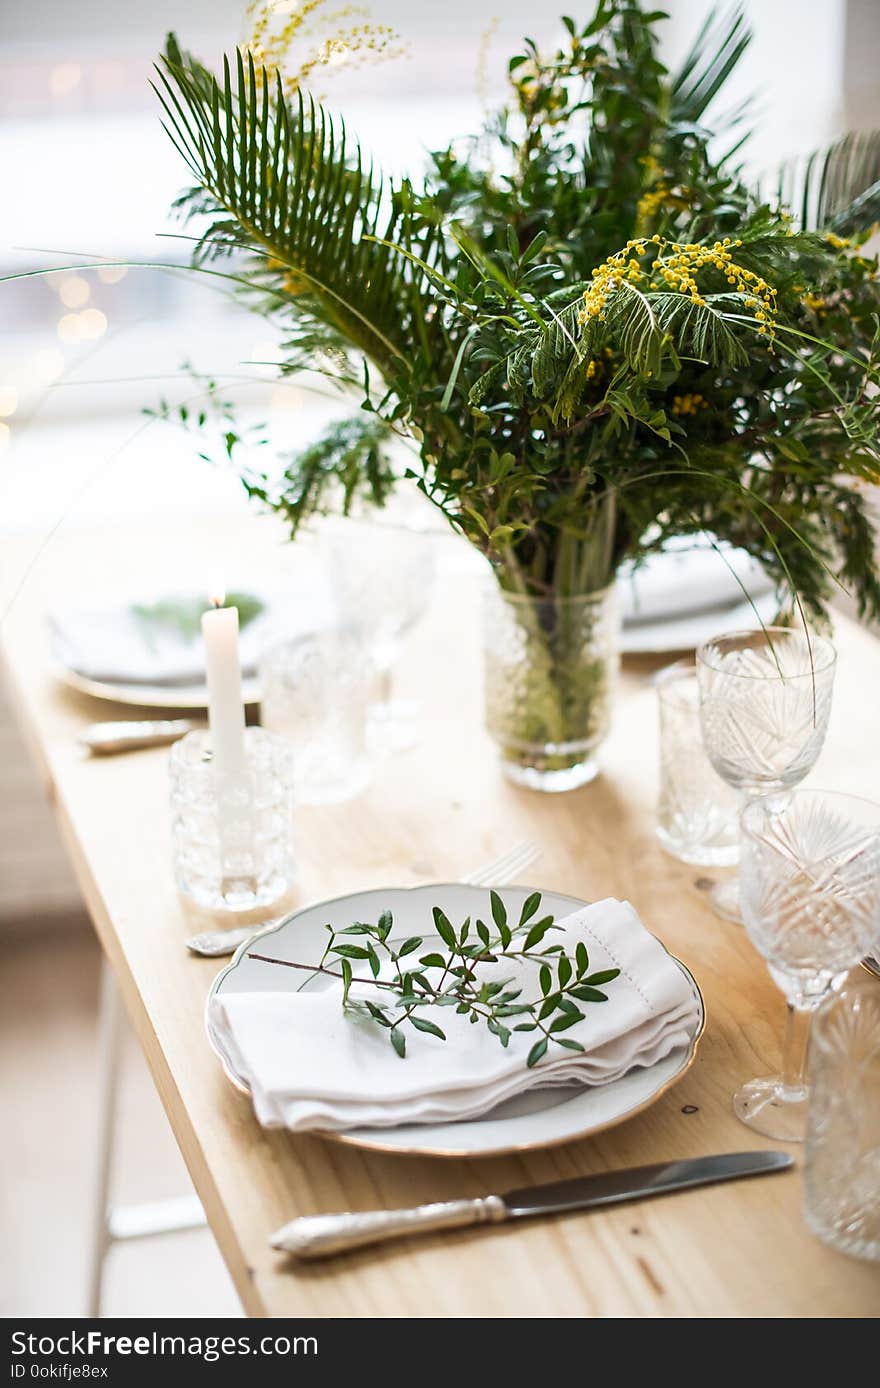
point(507, 865)
point(488, 870)
point(528, 856)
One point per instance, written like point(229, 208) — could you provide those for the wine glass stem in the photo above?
point(794, 1055)
point(386, 684)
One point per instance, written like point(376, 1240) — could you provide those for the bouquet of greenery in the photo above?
point(593, 332)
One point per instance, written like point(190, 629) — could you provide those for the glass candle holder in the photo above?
point(697, 813)
point(233, 843)
point(842, 1169)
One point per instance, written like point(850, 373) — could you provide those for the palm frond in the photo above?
point(836, 189)
point(715, 52)
point(288, 182)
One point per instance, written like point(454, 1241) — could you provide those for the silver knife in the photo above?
point(318, 1236)
point(105, 739)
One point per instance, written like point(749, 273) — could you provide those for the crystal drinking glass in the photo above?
point(765, 700)
point(842, 1167)
point(314, 691)
point(810, 891)
point(697, 812)
point(382, 573)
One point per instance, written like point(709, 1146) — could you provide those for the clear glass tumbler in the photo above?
point(233, 843)
point(842, 1170)
point(811, 904)
point(765, 701)
point(315, 691)
point(697, 812)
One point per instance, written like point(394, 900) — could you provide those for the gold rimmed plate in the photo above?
point(540, 1118)
point(170, 697)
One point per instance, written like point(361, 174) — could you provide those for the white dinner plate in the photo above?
point(540, 1118)
point(686, 631)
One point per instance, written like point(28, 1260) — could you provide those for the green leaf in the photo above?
point(536, 245)
point(373, 957)
point(564, 971)
point(589, 994)
point(377, 1014)
point(538, 1050)
point(356, 929)
point(384, 924)
point(499, 910)
point(422, 1024)
point(537, 932)
point(444, 928)
point(545, 979)
point(398, 1041)
point(526, 1026)
point(582, 958)
point(565, 1021)
point(350, 951)
point(432, 961)
point(568, 1043)
point(530, 906)
point(465, 930)
point(408, 946)
point(483, 932)
point(604, 976)
point(346, 980)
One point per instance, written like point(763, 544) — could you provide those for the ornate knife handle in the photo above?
point(319, 1236)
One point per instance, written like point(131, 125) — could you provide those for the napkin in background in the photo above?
point(689, 576)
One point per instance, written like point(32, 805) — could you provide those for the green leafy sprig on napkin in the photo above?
point(452, 977)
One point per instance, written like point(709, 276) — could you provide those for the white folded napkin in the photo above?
point(310, 1067)
point(682, 579)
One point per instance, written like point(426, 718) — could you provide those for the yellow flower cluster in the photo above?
point(676, 266)
point(274, 25)
point(650, 203)
point(839, 243)
point(814, 302)
point(688, 404)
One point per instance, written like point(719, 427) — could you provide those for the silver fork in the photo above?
point(214, 944)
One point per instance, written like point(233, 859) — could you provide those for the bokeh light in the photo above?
point(74, 291)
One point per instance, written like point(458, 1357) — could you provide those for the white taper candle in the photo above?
point(225, 703)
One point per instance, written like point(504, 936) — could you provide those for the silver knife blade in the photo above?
point(640, 1182)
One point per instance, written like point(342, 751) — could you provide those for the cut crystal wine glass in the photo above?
point(811, 904)
point(382, 573)
point(842, 1167)
point(765, 701)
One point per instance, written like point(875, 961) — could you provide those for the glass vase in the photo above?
point(550, 668)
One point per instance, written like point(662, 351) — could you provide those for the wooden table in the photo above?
point(434, 814)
